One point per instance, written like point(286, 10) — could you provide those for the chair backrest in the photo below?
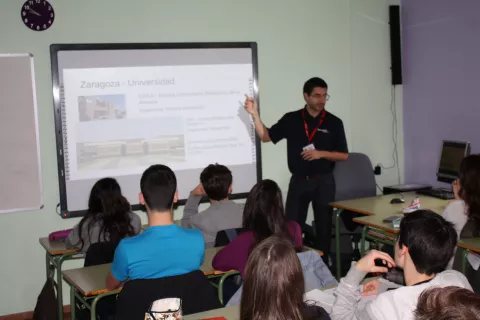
point(354, 178)
point(224, 237)
point(194, 289)
point(100, 253)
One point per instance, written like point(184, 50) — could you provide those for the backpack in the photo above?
point(47, 303)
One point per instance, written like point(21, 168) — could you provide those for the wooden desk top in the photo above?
point(379, 208)
point(207, 267)
point(230, 313)
point(472, 244)
point(90, 281)
point(377, 222)
point(55, 248)
point(380, 205)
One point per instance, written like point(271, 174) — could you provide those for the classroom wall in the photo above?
point(440, 73)
point(346, 42)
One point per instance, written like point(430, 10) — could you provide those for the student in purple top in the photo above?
point(263, 217)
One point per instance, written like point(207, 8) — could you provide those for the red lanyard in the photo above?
point(311, 135)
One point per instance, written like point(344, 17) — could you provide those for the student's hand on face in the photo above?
point(456, 189)
point(367, 263)
point(371, 288)
point(198, 191)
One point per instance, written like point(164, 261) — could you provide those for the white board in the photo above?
point(20, 167)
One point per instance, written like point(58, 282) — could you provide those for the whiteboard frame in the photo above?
point(37, 131)
point(56, 48)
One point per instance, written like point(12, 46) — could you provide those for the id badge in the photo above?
point(309, 147)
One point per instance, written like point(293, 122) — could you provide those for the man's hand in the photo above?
point(371, 288)
point(198, 191)
point(251, 106)
point(310, 155)
point(367, 263)
point(456, 189)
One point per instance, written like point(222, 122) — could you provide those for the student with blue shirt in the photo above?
point(164, 249)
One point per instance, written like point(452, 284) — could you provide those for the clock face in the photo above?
point(37, 15)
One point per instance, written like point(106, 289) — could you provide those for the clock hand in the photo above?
point(35, 12)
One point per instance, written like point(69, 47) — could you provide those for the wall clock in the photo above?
point(37, 15)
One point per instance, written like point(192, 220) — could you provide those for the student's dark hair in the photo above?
point(263, 213)
point(158, 186)
point(449, 303)
point(216, 180)
point(470, 188)
point(313, 83)
point(108, 208)
point(273, 285)
point(430, 240)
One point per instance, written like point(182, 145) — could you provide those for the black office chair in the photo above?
point(193, 289)
point(354, 178)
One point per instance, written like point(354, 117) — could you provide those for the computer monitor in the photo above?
point(451, 157)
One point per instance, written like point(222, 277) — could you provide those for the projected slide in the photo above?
point(183, 116)
point(120, 108)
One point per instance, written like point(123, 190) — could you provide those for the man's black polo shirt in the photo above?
point(330, 136)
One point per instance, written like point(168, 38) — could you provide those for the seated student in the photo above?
point(274, 284)
point(216, 183)
point(263, 216)
point(450, 303)
point(423, 249)
point(464, 212)
point(108, 219)
point(466, 206)
point(164, 249)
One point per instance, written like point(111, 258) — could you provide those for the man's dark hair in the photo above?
point(430, 240)
point(158, 185)
point(216, 180)
point(314, 83)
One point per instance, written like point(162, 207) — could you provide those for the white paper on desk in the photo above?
point(326, 298)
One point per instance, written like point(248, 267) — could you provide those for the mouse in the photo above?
point(397, 200)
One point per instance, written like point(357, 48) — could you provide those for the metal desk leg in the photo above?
point(47, 263)
point(93, 306)
point(222, 281)
point(362, 241)
point(72, 303)
point(93, 309)
point(60, 288)
point(337, 242)
point(58, 264)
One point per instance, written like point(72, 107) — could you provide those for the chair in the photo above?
point(100, 253)
point(460, 262)
point(229, 282)
point(224, 237)
point(354, 178)
point(193, 289)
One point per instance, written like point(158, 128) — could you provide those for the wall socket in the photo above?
point(377, 170)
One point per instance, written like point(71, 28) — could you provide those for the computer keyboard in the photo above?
point(437, 193)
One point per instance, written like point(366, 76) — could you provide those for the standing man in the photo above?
point(315, 141)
